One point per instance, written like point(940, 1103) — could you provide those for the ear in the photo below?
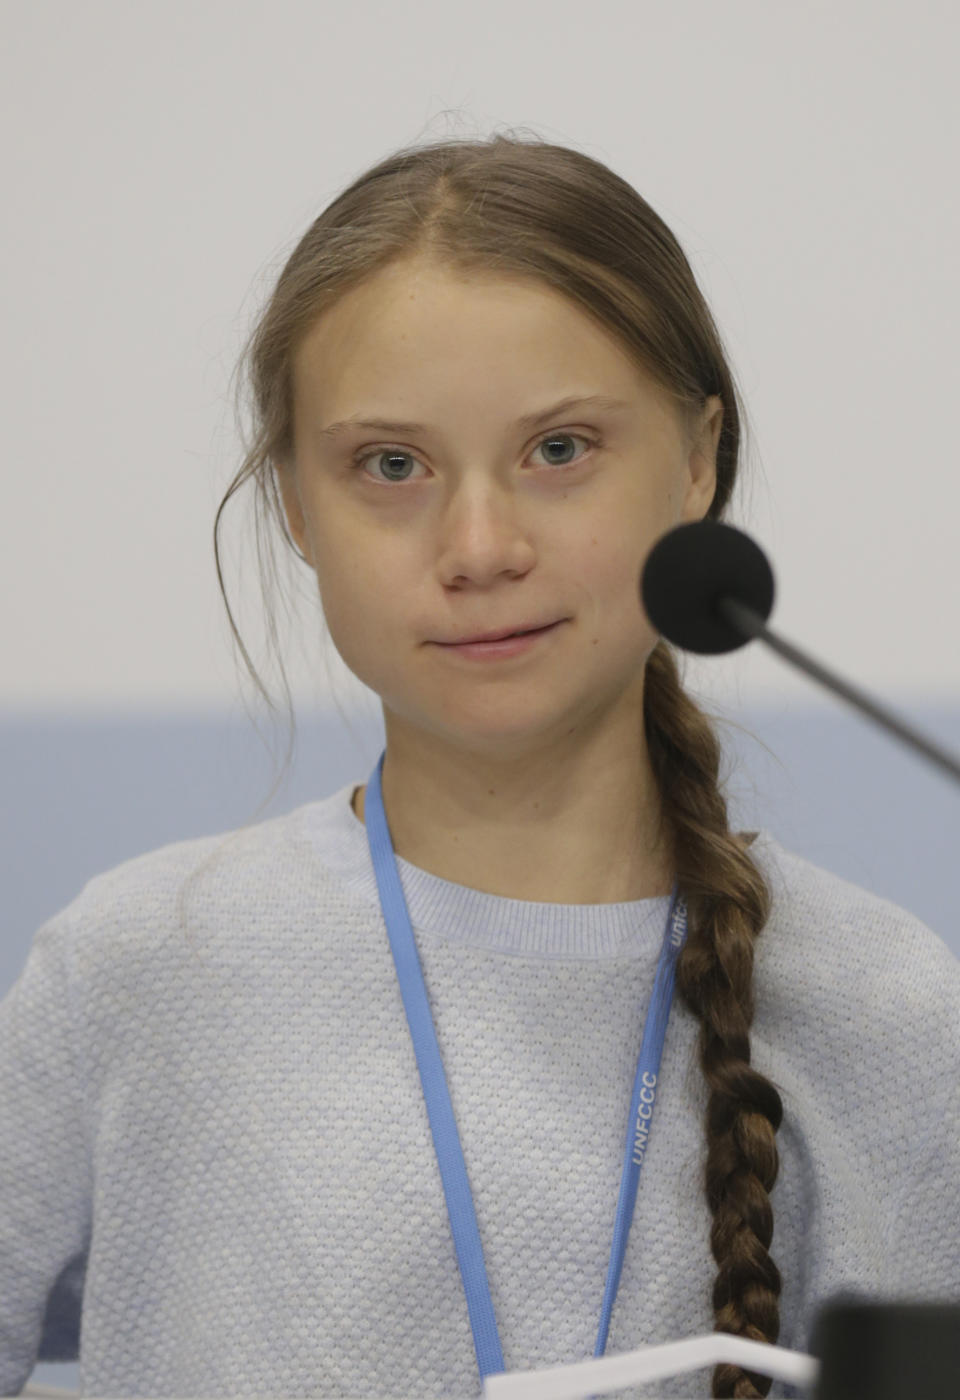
point(292, 506)
point(702, 462)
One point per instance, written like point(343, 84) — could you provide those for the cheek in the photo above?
point(368, 614)
point(606, 570)
point(607, 565)
point(361, 636)
point(351, 596)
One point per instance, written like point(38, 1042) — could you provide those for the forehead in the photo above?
point(424, 330)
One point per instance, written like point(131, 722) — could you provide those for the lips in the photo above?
point(503, 633)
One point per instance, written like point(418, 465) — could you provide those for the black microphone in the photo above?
point(708, 588)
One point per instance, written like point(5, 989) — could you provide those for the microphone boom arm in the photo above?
point(750, 624)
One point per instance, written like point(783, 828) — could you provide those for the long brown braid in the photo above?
point(728, 904)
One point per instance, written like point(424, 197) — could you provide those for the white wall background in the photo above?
point(160, 160)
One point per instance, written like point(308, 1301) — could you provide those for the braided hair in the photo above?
point(728, 902)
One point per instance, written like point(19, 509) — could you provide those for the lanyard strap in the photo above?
point(446, 1139)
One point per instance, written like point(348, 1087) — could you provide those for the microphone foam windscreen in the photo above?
point(689, 570)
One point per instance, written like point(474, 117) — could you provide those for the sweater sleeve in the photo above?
point(920, 1127)
point(925, 1216)
point(45, 1173)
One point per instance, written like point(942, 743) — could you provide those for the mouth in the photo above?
point(510, 645)
point(502, 636)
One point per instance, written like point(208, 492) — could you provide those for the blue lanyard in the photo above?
point(446, 1139)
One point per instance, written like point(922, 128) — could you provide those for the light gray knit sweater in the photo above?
point(215, 1152)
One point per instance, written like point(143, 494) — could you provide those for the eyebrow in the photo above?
point(530, 420)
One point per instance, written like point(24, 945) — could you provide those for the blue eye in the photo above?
point(395, 453)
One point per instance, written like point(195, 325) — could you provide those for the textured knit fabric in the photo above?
point(217, 1175)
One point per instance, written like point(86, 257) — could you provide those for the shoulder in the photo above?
point(857, 1023)
point(145, 897)
point(842, 950)
point(806, 893)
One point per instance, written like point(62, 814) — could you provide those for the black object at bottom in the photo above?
point(886, 1351)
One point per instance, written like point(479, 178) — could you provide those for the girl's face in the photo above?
point(465, 518)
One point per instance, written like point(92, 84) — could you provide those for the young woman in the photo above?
point(515, 1053)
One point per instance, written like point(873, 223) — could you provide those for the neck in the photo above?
point(576, 830)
